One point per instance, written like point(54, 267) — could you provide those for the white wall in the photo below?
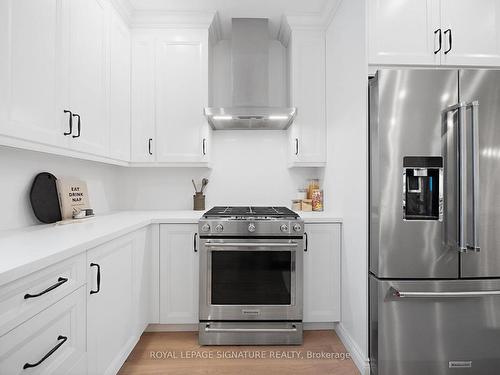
point(249, 168)
point(346, 174)
point(19, 167)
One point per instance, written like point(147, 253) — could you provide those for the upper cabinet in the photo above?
point(64, 78)
point(306, 65)
point(119, 88)
point(29, 72)
point(434, 32)
point(169, 91)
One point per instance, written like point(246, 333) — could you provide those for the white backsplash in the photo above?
point(249, 168)
point(19, 167)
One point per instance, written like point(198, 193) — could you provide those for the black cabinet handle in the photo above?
point(79, 125)
point(98, 278)
point(204, 146)
point(149, 146)
point(296, 146)
point(61, 339)
point(70, 122)
point(306, 239)
point(194, 242)
point(440, 40)
point(450, 41)
point(60, 281)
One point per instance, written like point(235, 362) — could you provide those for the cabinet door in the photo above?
point(141, 276)
point(109, 305)
point(119, 99)
point(59, 329)
point(402, 31)
point(307, 66)
point(30, 71)
point(86, 80)
point(143, 100)
point(178, 274)
point(181, 95)
point(322, 273)
point(475, 32)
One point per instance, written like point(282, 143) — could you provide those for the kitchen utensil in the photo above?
point(44, 198)
point(194, 185)
point(204, 184)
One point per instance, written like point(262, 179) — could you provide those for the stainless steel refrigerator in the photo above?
point(435, 222)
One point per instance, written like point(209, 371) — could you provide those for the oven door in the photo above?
point(251, 279)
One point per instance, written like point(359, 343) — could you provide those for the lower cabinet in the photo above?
point(179, 269)
point(51, 342)
point(322, 273)
point(116, 288)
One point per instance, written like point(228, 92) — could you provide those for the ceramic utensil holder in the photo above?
point(198, 202)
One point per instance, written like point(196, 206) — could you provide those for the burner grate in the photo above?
point(249, 211)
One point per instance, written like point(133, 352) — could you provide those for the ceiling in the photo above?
point(227, 9)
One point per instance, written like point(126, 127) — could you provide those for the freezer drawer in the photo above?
point(434, 327)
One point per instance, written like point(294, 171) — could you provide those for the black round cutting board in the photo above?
point(44, 198)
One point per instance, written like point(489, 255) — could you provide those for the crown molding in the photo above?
point(215, 30)
point(307, 21)
point(124, 9)
point(151, 19)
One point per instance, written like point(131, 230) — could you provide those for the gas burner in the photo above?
point(245, 213)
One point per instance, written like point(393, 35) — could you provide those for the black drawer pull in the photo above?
point(149, 146)
point(60, 281)
point(306, 241)
point(195, 248)
point(61, 339)
point(98, 278)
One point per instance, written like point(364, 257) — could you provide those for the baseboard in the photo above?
point(172, 327)
point(357, 356)
point(194, 327)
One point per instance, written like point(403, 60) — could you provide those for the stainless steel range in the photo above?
point(251, 262)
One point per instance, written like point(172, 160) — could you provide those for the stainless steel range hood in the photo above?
point(250, 83)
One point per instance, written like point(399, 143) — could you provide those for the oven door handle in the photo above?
point(250, 244)
point(208, 329)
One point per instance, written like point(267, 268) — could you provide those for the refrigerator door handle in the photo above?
point(475, 294)
point(473, 235)
point(461, 172)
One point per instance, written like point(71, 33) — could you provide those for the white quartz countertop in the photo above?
point(30, 249)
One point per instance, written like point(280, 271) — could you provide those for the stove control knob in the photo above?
point(284, 228)
point(297, 227)
point(251, 227)
point(205, 228)
point(219, 228)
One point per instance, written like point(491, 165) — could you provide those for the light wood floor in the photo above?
point(164, 345)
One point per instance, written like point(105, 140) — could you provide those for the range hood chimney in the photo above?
point(250, 82)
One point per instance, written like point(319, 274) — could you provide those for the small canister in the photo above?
point(199, 202)
point(307, 205)
point(297, 205)
point(317, 200)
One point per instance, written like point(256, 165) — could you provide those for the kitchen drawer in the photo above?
point(15, 308)
point(56, 334)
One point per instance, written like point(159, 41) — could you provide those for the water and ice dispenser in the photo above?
point(423, 188)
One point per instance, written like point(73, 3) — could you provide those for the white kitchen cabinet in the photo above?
point(402, 32)
point(30, 108)
point(307, 134)
point(110, 318)
point(179, 269)
point(143, 100)
point(85, 31)
point(60, 328)
point(169, 92)
point(475, 32)
point(119, 88)
point(407, 32)
point(182, 93)
point(322, 273)
point(142, 281)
